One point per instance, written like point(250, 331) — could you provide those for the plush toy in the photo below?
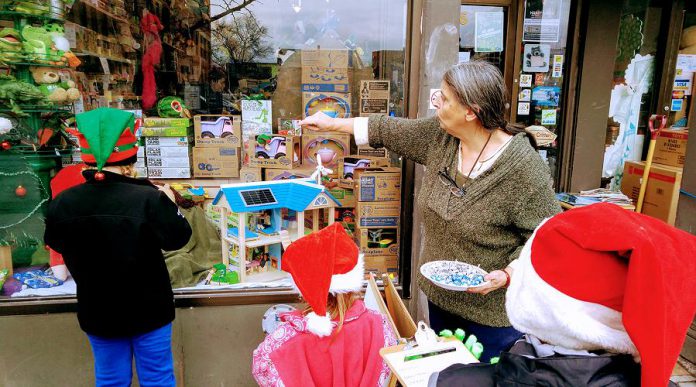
point(151, 26)
point(172, 107)
point(50, 84)
point(37, 8)
point(14, 93)
point(11, 49)
point(39, 45)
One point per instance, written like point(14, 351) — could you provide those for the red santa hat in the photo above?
point(601, 277)
point(327, 261)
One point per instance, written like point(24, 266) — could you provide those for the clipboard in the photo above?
point(413, 366)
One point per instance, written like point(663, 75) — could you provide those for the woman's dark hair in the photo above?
point(479, 85)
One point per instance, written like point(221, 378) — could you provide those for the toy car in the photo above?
point(222, 127)
point(273, 148)
point(349, 165)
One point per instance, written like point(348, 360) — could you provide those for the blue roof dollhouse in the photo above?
point(261, 203)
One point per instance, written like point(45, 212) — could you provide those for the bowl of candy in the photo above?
point(454, 275)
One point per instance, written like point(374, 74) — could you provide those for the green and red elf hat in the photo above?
point(106, 136)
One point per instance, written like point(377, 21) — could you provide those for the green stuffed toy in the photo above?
point(31, 7)
point(172, 107)
point(11, 48)
point(39, 44)
point(14, 93)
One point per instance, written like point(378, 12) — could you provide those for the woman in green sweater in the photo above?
point(484, 191)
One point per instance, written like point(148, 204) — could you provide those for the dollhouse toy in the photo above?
point(259, 207)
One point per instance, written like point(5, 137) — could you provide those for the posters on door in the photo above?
point(542, 21)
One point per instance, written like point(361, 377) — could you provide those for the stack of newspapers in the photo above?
point(599, 195)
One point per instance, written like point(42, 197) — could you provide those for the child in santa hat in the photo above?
point(605, 297)
point(336, 340)
point(111, 230)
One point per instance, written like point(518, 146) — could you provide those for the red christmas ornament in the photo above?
point(99, 176)
point(6, 145)
point(20, 191)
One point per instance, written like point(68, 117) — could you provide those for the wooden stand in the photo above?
point(6, 259)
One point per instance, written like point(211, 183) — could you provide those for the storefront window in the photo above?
point(482, 34)
point(681, 106)
point(210, 83)
point(634, 91)
point(542, 73)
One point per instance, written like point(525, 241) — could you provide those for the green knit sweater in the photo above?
point(488, 225)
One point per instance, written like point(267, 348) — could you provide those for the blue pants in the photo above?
point(154, 362)
point(495, 340)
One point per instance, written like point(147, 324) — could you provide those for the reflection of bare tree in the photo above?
point(228, 7)
point(240, 40)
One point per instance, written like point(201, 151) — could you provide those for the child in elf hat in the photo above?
point(336, 340)
point(111, 231)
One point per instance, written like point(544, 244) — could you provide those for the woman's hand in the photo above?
point(321, 122)
point(496, 280)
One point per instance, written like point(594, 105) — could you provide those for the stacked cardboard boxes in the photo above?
point(326, 82)
point(167, 148)
point(662, 191)
point(218, 146)
point(378, 195)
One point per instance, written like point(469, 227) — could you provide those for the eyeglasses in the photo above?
point(447, 181)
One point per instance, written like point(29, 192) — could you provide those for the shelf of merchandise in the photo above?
point(104, 12)
point(95, 55)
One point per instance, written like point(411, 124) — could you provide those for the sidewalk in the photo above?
point(682, 377)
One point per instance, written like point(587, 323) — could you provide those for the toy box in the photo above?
point(166, 141)
point(169, 162)
point(249, 175)
point(281, 174)
point(289, 127)
point(332, 104)
point(215, 162)
point(168, 173)
point(327, 58)
point(274, 152)
point(217, 130)
point(366, 150)
point(345, 196)
point(378, 214)
point(330, 146)
point(325, 79)
point(378, 241)
point(348, 164)
point(257, 117)
point(166, 122)
point(378, 184)
point(662, 192)
point(379, 265)
point(374, 97)
point(164, 131)
point(670, 147)
point(167, 151)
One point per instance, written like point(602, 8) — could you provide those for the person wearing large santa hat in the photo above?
point(605, 296)
point(336, 340)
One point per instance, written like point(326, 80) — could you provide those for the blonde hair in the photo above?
point(337, 305)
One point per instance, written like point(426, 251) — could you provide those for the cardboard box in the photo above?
point(327, 58)
point(169, 162)
point(274, 152)
point(166, 141)
point(365, 150)
point(345, 196)
point(670, 147)
point(166, 122)
point(332, 146)
point(257, 116)
point(249, 175)
point(167, 151)
point(168, 173)
point(378, 214)
point(348, 164)
point(215, 162)
point(283, 174)
point(164, 131)
point(332, 104)
point(377, 184)
point(662, 192)
point(325, 79)
point(374, 97)
point(217, 130)
point(378, 241)
point(382, 265)
point(289, 127)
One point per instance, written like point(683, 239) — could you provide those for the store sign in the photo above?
point(489, 32)
point(542, 21)
point(523, 109)
point(546, 95)
point(548, 117)
point(536, 58)
point(526, 80)
point(374, 97)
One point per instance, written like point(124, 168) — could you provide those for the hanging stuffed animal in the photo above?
point(151, 27)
